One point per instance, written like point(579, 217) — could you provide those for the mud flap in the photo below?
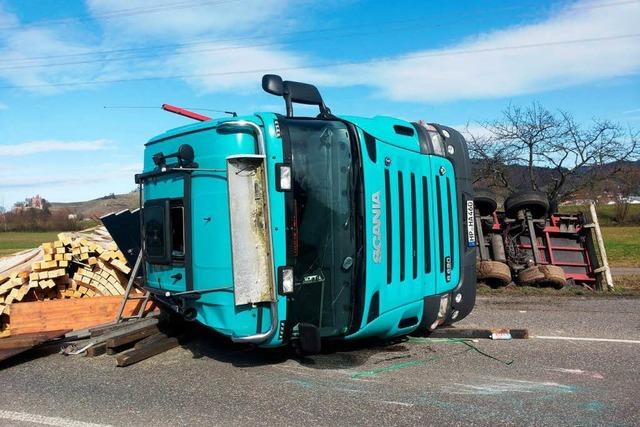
point(308, 338)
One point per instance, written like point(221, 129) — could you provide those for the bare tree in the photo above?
point(627, 185)
point(557, 154)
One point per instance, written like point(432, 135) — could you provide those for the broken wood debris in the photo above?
point(130, 341)
point(142, 352)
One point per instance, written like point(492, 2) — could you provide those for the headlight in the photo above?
point(283, 178)
point(438, 144)
point(286, 280)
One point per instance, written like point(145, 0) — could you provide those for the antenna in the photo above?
point(186, 113)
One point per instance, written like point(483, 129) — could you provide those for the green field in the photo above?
point(623, 245)
point(14, 241)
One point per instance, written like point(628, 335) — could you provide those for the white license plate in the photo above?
point(471, 228)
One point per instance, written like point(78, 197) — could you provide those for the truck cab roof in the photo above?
point(384, 128)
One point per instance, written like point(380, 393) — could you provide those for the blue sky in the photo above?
point(452, 62)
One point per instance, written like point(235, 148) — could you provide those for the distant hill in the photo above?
point(98, 207)
point(519, 178)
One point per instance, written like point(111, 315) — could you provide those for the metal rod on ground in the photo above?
point(603, 253)
point(132, 278)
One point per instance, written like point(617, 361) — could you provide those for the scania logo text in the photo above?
point(377, 239)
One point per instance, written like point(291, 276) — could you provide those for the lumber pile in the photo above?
point(76, 265)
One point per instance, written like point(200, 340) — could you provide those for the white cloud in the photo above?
point(19, 44)
point(443, 75)
point(179, 20)
point(474, 129)
point(472, 69)
point(217, 69)
point(7, 20)
point(475, 68)
point(37, 147)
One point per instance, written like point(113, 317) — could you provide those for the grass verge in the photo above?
point(624, 286)
point(607, 214)
point(623, 246)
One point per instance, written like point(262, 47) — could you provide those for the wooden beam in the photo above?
point(132, 336)
point(43, 316)
point(135, 355)
point(29, 340)
point(26, 342)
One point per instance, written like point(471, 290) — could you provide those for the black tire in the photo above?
point(534, 201)
point(554, 276)
point(493, 273)
point(543, 275)
point(485, 202)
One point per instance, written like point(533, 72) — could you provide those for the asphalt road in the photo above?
point(415, 381)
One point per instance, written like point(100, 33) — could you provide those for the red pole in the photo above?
point(186, 113)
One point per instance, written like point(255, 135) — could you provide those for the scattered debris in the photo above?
point(493, 334)
point(131, 341)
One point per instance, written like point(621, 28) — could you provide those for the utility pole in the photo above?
point(4, 214)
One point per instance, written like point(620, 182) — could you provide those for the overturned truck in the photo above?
point(276, 229)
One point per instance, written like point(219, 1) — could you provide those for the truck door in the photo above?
point(211, 247)
point(164, 231)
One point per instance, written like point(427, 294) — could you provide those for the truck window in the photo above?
point(176, 214)
point(322, 167)
point(155, 232)
point(164, 231)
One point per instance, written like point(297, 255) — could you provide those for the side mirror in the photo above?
point(186, 154)
point(294, 92)
point(272, 83)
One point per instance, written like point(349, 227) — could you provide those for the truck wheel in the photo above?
point(554, 275)
point(493, 272)
point(543, 275)
point(535, 202)
point(530, 276)
point(485, 202)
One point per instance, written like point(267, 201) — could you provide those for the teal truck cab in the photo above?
point(275, 229)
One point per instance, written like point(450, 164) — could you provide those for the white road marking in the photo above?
point(507, 386)
point(578, 372)
point(543, 337)
point(41, 419)
point(393, 402)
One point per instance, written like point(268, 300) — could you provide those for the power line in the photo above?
point(290, 33)
point(325, 65)
point(121, 13)
point(212, 49)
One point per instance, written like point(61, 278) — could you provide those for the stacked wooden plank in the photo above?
point(76, 265)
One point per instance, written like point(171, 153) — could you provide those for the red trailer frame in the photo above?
point(564, 241)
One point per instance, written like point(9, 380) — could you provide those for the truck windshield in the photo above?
point(323, 237)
